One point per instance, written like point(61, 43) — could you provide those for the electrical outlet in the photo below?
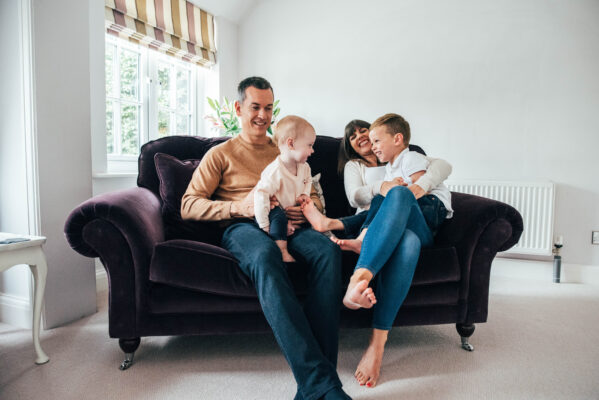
point(595, 237)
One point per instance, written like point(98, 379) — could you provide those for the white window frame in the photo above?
point(148, 90)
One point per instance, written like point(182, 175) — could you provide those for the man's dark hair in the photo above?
point(252, 81)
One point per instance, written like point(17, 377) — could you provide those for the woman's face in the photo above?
point(360, 142)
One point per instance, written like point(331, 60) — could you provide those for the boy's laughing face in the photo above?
point(385, 145)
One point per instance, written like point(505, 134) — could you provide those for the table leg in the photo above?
point(39, 271)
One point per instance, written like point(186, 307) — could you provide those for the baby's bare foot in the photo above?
point(318, 221)
point(354, 245)
point(369, 368)
point(359, 295)
point(284, 252)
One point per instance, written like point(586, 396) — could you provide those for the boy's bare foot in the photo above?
point(284, 252)
point(354, 245)
point(318, 221)
point(369, 367)
point(359, 295)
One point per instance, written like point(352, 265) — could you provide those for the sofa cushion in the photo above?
point(174, 176)
point(435, 265)
point(199, 266)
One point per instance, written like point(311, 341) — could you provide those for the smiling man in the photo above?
point(221, 190)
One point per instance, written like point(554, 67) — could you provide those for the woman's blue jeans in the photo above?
point(391, 248)
point(307, 333)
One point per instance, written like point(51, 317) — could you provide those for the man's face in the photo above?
point(385, 145)
point(255, 111)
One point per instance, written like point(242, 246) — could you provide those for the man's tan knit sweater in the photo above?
point(227, 173)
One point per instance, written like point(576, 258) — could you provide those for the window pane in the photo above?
point(108, 68)
point(164, 119)
point(182, 124)
point(182, 90)
point(129, 129)
point(109, 128)
point(164, 95)
point(129, 74)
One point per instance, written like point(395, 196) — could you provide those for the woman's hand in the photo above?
point(417, 190)
point(388, 185)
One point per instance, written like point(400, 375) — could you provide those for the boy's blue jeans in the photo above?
point(391, 248)
point(307, 333)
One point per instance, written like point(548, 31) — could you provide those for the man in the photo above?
point(221, 190)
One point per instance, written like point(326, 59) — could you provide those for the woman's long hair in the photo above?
point(346, 151)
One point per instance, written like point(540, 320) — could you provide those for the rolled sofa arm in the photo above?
point(134, 212)
point(121, 228)
point(480, 227)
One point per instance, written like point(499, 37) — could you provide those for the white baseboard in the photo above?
point(16, 311)
point(543, 270)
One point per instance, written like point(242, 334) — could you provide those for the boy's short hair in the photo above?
point(394, 123)
point(252, 81)
point(290, 126)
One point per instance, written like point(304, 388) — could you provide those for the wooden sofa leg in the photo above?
point(128, 346)
point(465, 332)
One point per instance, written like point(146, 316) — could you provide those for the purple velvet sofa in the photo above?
point(170, 277)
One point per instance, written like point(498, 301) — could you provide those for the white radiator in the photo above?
point(534, 200)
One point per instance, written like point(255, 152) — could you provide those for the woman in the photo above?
point(363, 179)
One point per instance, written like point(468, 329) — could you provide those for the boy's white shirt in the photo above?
point(277, 180)
point(408, 163)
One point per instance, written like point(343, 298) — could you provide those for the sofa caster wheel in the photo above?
point(465, 332)
point(466, 345)
point(127, 362)
point(128, 346)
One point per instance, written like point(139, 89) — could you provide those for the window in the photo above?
point(148, 95)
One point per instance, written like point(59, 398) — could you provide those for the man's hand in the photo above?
point(243, 208)
point(295, 216)
point(388, 185)
point(417, 190)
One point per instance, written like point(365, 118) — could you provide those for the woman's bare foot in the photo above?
point(369, 368)
point(359, 295)
point(284, 252)
point(354, 245)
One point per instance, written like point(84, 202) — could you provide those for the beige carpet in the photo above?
point(541, 342)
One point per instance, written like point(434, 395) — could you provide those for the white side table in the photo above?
point(30, 253)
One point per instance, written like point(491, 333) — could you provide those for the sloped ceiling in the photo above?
point(233, 10)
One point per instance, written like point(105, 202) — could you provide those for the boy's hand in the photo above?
point(417, 190)
point(388, 185)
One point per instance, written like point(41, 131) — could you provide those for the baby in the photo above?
point(288, 178)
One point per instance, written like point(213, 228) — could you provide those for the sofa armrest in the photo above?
point(134, 212)
point(122, 229)
point(480, 227)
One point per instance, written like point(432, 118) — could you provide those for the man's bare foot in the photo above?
point(284, 252)
point(359, 295)
point(369, 367)
point(319, 222)
point(354, 245)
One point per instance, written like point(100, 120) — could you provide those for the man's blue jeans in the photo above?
point(390, 250)
point(307, 333)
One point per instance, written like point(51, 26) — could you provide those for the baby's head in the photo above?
point(295, 137)
point(390, 135)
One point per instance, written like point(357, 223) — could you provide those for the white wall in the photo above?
point(502, 90)
point(62, 78)
point(15, 282)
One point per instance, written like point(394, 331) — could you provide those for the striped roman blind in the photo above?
point(174, 27)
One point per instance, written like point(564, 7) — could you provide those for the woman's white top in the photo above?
point(362, 183)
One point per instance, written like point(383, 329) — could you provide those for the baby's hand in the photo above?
point(266, 228)
point(303, 199)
